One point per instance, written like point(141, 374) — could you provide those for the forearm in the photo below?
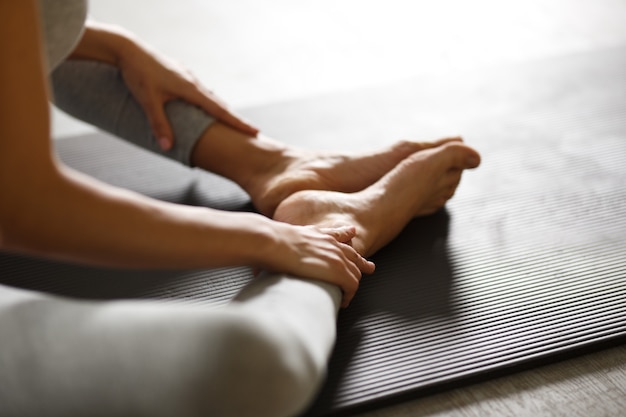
point(68, 216)
point(47, 209)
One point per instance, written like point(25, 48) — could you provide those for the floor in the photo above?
point(254, 53)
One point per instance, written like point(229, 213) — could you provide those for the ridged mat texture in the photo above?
point(526, 265)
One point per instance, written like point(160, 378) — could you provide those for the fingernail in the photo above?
point(164, 143)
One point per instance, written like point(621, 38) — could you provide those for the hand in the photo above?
point(153, 80)
point(320, 253)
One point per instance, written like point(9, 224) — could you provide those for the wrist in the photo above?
point(263, 242)
point(237, 239)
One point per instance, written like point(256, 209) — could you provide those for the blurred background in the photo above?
point(255, 52)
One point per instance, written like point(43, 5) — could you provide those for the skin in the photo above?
point(153, 79)
point(418, 186)
point(48, 209)
point(269, 171)
point(51, 210)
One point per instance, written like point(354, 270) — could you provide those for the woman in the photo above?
point(266, 352)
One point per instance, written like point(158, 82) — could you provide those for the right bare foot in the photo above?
point(419, 185)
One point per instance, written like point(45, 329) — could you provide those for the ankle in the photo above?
point(238, 156)
point(270, 158)
point(381, 219)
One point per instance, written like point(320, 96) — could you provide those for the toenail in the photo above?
point(472, 161)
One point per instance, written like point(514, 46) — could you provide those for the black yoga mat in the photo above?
point(526, 265)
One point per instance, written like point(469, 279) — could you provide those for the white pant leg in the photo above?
point(265, 354)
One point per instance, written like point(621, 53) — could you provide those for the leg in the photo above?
point(263, 355)
point(419, 185)
point(270, 171)
point(96, 93)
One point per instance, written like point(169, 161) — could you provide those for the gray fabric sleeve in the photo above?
point(62, 26)
point(96, 93)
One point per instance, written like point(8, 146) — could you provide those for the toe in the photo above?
point(458, 155)
point(443, 141)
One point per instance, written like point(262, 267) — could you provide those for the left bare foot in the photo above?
point(327, 171)
point(269, 171)
point(419, 185)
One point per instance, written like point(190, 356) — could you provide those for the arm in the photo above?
point(51, 210)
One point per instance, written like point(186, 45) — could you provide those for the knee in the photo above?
point(263, 370)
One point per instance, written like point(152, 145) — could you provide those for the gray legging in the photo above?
point(95, 93)
point(264, 354)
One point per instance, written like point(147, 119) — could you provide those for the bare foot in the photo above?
point(269, 171)
point(419, 185)
point(327, 171)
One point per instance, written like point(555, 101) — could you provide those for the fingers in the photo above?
point(318, 253)
point(153, 80)
point(162, 130)
point(355, 266)
point(362, 264)
point(343, 234)
point(154, 108)
point(227, 117)
point(349, 282)
point(214, 106)
point(351, 264)
point(153, 105)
